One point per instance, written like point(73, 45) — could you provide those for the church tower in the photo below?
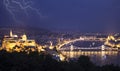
point(11, 34)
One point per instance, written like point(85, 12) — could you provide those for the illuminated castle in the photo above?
point(11, 42)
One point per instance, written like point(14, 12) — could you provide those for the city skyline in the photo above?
point(60, 35)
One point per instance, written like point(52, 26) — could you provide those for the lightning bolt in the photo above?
point(9, 8)
point(13, 6)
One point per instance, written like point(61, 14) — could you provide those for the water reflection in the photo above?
point(97, 57)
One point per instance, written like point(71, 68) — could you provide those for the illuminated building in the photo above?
point(113, 41)
point(13, 42)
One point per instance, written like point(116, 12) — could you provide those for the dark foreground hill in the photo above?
point(44, 62)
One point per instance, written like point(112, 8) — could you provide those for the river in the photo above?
point(98, 57)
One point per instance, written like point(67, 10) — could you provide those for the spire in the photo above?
point(11, 34)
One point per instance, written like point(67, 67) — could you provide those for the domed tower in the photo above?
point(24, 37)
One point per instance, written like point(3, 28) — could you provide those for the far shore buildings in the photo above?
point(113, 41)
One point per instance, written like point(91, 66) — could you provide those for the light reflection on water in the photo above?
point(97, 57)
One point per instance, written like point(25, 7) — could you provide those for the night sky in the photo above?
point(62, 15)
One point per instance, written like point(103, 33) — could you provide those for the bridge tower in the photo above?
point(102, 47)
point(71, 47)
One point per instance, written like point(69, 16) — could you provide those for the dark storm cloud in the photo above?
point(71, 15)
